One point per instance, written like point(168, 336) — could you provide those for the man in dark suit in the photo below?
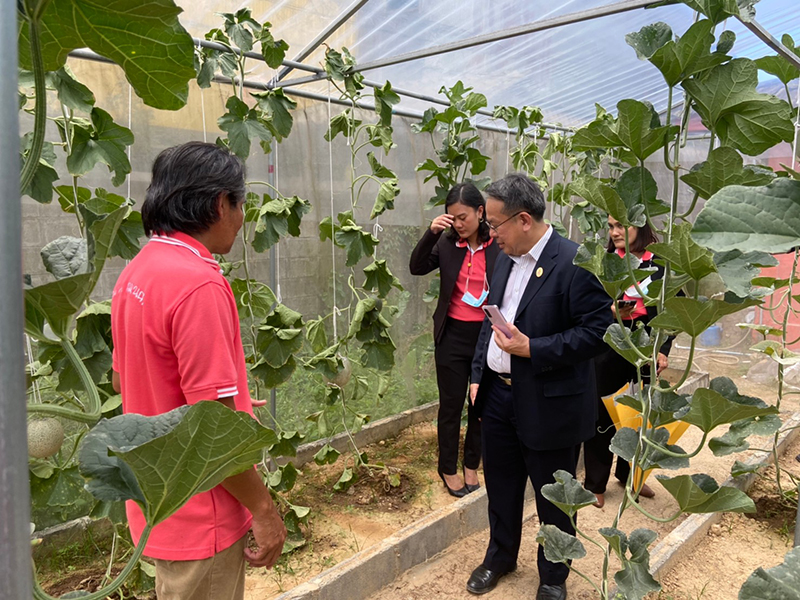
point(535, 391)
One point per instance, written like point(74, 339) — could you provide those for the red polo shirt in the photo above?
point(176, 341)
point(472, 276)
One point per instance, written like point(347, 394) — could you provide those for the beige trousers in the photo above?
point(220, 577)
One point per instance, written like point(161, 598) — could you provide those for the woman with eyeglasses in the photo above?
point(465, 257)
point(612, 370)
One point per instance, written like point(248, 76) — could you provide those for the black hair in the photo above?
point(518, 193)
point(468, 195)
point(186, 186)
point(644, 237)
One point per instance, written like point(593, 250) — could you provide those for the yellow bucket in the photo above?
point(625, 416)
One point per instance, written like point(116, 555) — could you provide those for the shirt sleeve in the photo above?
point(204, 330)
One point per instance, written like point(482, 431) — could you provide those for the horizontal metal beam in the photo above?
point(576, 17)
point(766, 37)
point(323, 35)
point(86, 54)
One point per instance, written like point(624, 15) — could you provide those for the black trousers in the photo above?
point(453, 366)
point(507, 465)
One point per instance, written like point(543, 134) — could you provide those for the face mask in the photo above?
point(471, 300)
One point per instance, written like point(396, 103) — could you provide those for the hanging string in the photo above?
point(508, 148)
point(202, 104)
point(278, 294)
point(130, 121)
point(37, 394)
point(333, 245)
point(796, 129)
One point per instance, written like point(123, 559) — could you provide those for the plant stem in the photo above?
point(40, 594)
point(40, 104)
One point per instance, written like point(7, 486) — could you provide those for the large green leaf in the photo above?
point(735, 439)
point(257, 297)
point(559, 547)
point(126, 241)
point(638, 339)
point(721, 403)
point(603, 196)
point(738, 270)
point(385, 99)
point(777, 65)
point(144, 37)
point(101, 236)
point(778, 583)
point(719, 10)
point(688, 55)
point(172, 456)
point(695, 316)
point(66, 256)
point(700, 494)
point(685, 255)
point(724, 167)
point(611, 269)
point(242, 124)
point(41, 186)
point(55, 303)
point(380, 278)
point(347, 234)
point(101, 141)
point(634, 580)
point(765, 219)
point(272, 377)
point(649, 39)
point(728, 104)
point(276, 106)
point(635, 129)
point(638, 189)
point(278, 217)
point(567, 493)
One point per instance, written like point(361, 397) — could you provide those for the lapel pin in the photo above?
point(539, 272)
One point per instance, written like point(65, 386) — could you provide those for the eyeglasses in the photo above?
point(496, 227)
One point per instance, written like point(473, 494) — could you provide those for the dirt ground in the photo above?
point(345, 523)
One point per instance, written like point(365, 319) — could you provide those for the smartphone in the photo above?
point(496, 318)
point(626, 303)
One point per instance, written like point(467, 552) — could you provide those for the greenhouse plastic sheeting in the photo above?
point(563, 70)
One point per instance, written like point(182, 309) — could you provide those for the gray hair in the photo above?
point(518, 193)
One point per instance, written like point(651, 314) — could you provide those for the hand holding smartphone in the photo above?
point(626, 304)
point(496, 318)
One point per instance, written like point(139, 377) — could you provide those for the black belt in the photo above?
point(504, 378)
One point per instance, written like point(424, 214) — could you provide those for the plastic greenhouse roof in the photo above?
point(565, 70)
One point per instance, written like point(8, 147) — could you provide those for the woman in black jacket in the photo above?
point(613, 371)
point(465, 257)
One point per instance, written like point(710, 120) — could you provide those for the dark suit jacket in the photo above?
point(437, 251)
point(565, 311)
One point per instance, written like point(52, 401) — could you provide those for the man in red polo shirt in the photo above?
point(177, 341)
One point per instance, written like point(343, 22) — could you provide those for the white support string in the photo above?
point(202, 104)
point(508, 148)
point(130, 122)
point(796, 129)
point(336, 311)
point(278, 294)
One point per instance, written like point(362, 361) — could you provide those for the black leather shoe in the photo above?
point(552, 592)
point(483, 580)
point(460, 493)
point(470, 488)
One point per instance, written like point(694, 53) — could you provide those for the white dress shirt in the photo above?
point(521, 271)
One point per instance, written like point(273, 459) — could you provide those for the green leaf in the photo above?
point(700, 494)
point(779, 583)
point(739, 468)
point(635, 130)
point(567, 493)
point(721, 404)
point(258, 297)
point(102, 231)
point(684, 254)
point(558, 546)
point(41, 186)
point(103, 141)
point(339, 66)
point(738, 270)
point(695, 316)
point(287, 444)
point(71, 92)
point(343, 123)
point(126, 242)
point(717, 10)
point(278, 217)
point(728, 104)
point(635, 580)
point(55, 303)
point(385, 99)
point(639, 339)
point(380, 278)
point(689, 55)
point(609, 267)
point(172, 456)
point(242, 124)
point(773, 349)
point(616, 539)
point(780, 67)
point(283, 478)
point(637, 187)
point(276, 106)
point(327, 455)
point(726, 41)
point(347, 479)
point(276, 346)
point(765, 219)
point(272, 377)
point(273, 51)
point(315, 334)
point(602, 196)
point(649, 39)
point(724, 167)
point(356, 241)
point(143, 36)
point(66, 256)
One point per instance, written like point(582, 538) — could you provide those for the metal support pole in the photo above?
point(766, 37)
point(273, 276)
point(323, 35)
point(15, 558)
point(576, 17)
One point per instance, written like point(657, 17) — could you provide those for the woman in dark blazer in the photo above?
point(613, 371)
point(465, 257)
